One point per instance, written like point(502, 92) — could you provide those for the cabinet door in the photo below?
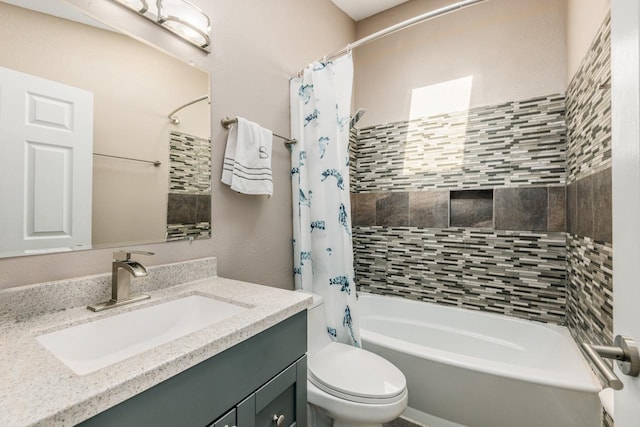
point(228, 420)
point(279, 403)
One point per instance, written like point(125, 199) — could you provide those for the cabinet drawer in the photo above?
point(276, 400)
point(279, 403)
point(228, 420)
point(281, 411)
point(274, 388)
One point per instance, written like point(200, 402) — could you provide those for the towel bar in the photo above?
point(226, 123)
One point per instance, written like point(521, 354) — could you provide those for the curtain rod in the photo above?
point(176, 120)
point(400, 26)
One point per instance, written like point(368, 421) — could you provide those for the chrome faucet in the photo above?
point(123, 268)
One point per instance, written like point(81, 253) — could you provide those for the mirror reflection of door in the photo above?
point(46, 147)
point(135, 86)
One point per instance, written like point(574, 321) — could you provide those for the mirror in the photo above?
point(89, 156)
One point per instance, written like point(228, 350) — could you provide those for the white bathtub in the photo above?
point(479, 369)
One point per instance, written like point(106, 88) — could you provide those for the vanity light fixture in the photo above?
point(140, 6)
point(181, 17)
point(186, 20)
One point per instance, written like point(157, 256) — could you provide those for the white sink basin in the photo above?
point(91, 346)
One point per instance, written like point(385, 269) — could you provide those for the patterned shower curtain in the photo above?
point(323, 253)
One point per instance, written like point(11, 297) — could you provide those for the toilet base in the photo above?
point(328, 411)
point(316, 417)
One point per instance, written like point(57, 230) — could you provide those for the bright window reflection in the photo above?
point(438, 149)
point(441, 98)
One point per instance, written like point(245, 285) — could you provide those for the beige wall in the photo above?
point(131, 103)
point(257, 47)
point(511, 49)
point(583, 21)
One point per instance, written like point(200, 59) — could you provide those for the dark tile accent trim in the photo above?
point(602, 206)
point(557, 209)
point(181, 209)
point(365, 208)
point(392, 209)
point(521, 208)
point(572, 208)
point(203, 208)
point(429, 209)
point(585, 206)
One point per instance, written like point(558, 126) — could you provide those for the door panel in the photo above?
point(625, 97)
point(48, 212)
point(46, 149)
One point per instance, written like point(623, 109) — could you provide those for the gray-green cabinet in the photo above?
point(278, 403)
point(260, 382)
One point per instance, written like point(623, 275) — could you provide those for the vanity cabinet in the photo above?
point(273, 405)
point(260, 382)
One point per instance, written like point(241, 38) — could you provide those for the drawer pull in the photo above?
point(278, 420)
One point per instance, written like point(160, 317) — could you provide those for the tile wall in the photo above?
point(515, 144)
point(466, 209)
point(589, 210)
point(189, 199)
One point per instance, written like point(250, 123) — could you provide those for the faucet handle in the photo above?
point(126, 255)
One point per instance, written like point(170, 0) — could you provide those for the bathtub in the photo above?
point(476, 369)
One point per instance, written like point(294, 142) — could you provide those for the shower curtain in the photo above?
point(323, 253)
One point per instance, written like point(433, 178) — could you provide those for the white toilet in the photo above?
point(352, 386)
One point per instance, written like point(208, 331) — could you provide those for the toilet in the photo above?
point(348, 386)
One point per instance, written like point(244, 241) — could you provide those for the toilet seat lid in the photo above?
point(355, 374)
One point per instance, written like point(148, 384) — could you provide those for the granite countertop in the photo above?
point(38, 389)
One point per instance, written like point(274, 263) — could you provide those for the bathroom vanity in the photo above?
point(248, 369)
point(263, 380)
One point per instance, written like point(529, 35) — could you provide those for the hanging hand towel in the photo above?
point(247, 159)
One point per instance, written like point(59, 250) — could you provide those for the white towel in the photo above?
point(247, 159)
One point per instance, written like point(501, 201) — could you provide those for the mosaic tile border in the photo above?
point(189, 164)
point(513, 273)
point(589, 110)
point(518, 143)
point(201, 230)
point(590, 290)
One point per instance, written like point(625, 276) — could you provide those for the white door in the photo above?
point(625, 98)
point(46, 148)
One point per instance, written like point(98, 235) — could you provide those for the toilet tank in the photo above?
point(317, 336)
